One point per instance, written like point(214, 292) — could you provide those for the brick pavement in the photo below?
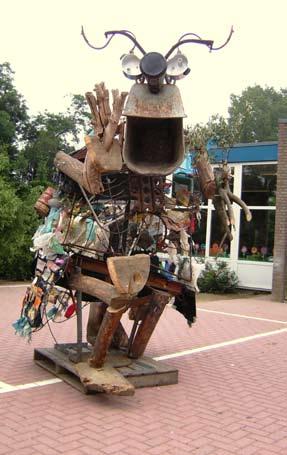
point(230, 400)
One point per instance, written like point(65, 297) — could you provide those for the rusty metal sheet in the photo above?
point(165, 104)
point(147, 193)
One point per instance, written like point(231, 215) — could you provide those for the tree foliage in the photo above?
point(28, 145)
point(217, 131)
point(253, 116)
point(256, 112)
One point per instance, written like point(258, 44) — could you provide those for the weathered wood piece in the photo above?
point(104, 338)
point(104, 291)
point(120, 339)
point(98, 159)
point(96, 315)
point(224, 200)
point(129, 273)
point(148, 324)
point(205, 174)
point(106, 379)
point(74, 169)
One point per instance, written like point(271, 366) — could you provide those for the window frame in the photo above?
point(237, 189)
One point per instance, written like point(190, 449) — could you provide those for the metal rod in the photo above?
point(79, 325)
point(96, 217)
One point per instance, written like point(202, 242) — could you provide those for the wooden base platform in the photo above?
point(120, 375)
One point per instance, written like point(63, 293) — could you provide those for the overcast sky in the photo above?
point(42, 41)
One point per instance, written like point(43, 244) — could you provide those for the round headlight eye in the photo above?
point(131, 66)
point(177, 66)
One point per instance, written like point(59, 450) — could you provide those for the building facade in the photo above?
point(250, 253)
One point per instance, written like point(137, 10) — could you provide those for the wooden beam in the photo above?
point(148, 324)
point(74, 169)
point(104, 291)
point(96, 316)
point(104, 338)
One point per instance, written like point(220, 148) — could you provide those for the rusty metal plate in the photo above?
point(165, 104)
point(147, 193)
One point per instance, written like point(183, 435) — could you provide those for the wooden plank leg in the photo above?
point(120, 338)
point(148, 324)
point(104, 338)
point(96, 315)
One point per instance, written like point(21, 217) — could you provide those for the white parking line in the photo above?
point(241, 316)
point(219, 345)
point(5, 388)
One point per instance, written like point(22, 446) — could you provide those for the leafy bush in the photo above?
point(217, 278)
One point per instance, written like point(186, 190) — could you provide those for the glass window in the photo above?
point(257, 236)
point(259, 184)
point(217, 234)
point(199, 234)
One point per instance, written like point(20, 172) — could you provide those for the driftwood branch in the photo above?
point(241, 203)
point(224, 200)
point(219, 206)
point(205, 173)
point(218, 190)
point(75, 169)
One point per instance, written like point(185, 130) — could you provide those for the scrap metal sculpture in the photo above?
point(112, 235)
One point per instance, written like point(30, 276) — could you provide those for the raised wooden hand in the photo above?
point(103, 149)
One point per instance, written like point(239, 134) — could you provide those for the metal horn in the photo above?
point(198, 40)
point(110, 34)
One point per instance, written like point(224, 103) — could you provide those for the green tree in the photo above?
point(256, 111)
point(13, 110)
point(27, 149)
point(18, 221)
point(45, 135)
point(217, 131)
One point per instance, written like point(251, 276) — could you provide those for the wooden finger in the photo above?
point(111, 128)
point(96, 121)
point(100, 94)
point(223, 194)
point(242, 204)
point(107, 102)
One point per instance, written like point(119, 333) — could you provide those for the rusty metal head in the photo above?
point(165, 104)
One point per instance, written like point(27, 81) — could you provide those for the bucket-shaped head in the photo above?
point(154, 143)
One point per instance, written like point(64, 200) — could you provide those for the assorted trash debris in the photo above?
point(112, 234)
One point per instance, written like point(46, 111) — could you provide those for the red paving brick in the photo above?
point(229, 401)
